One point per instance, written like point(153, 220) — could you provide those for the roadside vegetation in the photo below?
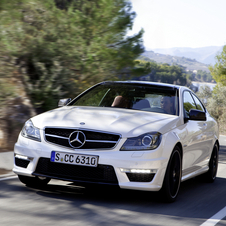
point(52, 49)
point(203, 76)
point(215, 100)
point(59, 48)
point(173, 74)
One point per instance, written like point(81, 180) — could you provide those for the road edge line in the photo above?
point(8, 178)
point(215, 218)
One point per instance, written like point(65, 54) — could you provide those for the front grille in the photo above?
point(93, 139)
point(140, 177)
point(21, 162)
point(100, 174)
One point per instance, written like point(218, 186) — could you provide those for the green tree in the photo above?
point(204, 76)
point(204, 93)
point(218, 71)
point(174, 74)
point(216, 106)
point(63, 48)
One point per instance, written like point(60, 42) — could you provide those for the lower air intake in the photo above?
point(101, 174)
point(140, 177)
point(21, 162)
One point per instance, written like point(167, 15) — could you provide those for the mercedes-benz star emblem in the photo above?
point(77, 139)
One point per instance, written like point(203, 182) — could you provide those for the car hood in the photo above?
point(126, 122)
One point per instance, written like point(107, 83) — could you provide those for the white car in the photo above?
point(136, 135)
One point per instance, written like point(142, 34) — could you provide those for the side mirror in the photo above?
point(197, 115)
point(63, 102)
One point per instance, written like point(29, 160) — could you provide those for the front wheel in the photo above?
point(34, 181)
point(211, 174)
point(172, 180)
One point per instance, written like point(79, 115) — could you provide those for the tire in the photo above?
point(211, 174)
point(34, 181)
point(172, 179)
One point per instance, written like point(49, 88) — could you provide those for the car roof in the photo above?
point(156, 84)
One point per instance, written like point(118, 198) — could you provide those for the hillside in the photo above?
point(204, 55)
point(190, 64)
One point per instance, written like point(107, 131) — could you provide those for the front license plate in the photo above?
point(74, 159)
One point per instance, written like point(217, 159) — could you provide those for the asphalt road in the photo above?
point(61, 203)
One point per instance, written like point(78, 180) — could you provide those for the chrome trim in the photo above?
point(102, 141)
point(95, 141)
point(74, 128)
point(80, 128)
point(50, 135)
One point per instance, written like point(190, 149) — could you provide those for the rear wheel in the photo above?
point(172, 178)
point(34, 181)
point(211, 174)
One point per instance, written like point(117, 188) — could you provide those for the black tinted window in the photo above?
point(131, 96)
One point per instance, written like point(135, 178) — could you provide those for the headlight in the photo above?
point(147, 141)
point(31, 132)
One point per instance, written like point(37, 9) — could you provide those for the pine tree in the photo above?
point(62, 47)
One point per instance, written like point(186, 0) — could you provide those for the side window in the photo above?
point(198, 103)
point(188, 103)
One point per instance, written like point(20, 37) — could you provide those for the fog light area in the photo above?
point(23, 157)
point(145, 171)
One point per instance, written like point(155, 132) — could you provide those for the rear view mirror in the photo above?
point(197, 115)
point(63, 102)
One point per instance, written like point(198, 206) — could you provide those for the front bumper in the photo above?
point(123, 168)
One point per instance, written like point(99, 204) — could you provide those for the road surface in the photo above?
point(62, 203)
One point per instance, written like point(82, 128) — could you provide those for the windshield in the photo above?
point(161, 99)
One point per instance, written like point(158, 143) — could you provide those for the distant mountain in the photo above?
point(204, 55)
point(188, 63)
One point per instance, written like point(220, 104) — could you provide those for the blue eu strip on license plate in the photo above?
point(53, 156)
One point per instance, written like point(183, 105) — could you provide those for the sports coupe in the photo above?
point(135, 135)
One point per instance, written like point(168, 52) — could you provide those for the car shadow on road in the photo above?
point(197, 200)
point(194, 188)
point(193, 203)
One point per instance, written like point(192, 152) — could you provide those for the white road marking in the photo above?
point(8, 178)
point(215, 218)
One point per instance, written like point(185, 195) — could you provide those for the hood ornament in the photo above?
point(82, 123)
point(77, 139)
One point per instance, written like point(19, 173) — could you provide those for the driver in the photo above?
point(167, 105)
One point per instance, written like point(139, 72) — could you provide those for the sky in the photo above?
point(180, 23)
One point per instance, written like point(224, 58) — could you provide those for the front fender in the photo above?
point(169, 141)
